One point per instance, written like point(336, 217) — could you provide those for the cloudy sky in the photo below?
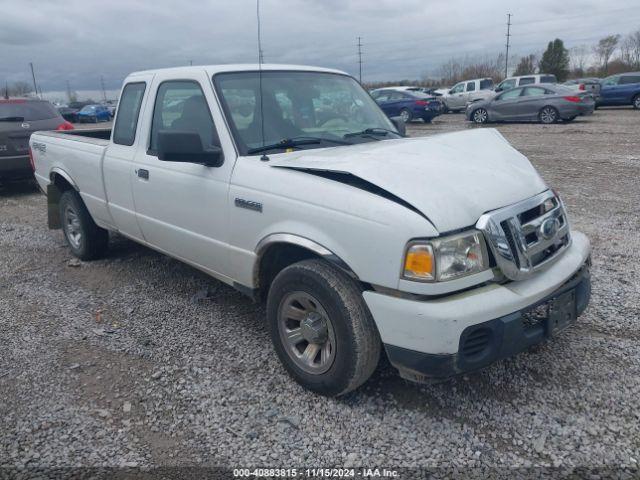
point(80, 40)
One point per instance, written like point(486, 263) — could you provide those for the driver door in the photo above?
point(505, 106)
point(182, 208)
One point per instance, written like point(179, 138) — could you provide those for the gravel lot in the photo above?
point(139, 360)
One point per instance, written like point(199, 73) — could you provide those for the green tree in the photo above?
point(526, 66)
point(555, 60)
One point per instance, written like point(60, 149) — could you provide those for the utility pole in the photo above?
point(191, 63)
point(104, 92)
point(506, 59)
point(33, 75)
point(360, 59)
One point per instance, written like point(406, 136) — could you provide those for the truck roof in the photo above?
point(240, 67)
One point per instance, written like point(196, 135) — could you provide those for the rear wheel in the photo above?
point(548, 115)
point(636, 102)
point(86, 240)
point(321, 328)
point(405, 115)
point(480, 115)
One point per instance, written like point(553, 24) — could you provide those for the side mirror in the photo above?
point(450, 92)
point(498, 89)
point(186, 147)
point(400, 125)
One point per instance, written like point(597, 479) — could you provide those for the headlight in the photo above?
point(446, 258)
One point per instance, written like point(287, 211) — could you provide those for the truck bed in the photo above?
point(77, 156)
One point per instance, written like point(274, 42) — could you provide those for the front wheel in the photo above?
point(480, 115)
point(548, 115)
point(321, 328)
point(636, 102)
point(86, 240)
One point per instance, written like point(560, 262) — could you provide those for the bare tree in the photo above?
point(20, 89)
point(604, 50)
point(630, 50)
point(578, 58)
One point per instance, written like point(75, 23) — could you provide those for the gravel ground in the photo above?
point(139, 360)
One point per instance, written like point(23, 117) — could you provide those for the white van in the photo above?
point(512, 82)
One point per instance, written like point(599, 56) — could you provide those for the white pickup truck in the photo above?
point(290, 184)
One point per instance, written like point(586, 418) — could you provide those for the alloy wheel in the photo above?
point(548, 115)
point(480, 115)
point(72, 227)
point(306, 332)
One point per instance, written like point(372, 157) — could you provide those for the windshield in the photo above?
point(27, 110)
point(317, 105)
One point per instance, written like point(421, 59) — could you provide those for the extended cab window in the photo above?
point(548, 79)
point(486, 84)
point(124, 132)
point(527, 80)
point(181, 107)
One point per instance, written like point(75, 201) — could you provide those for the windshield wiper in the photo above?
point(12, 119)
point(377, 131)
point(296, 142)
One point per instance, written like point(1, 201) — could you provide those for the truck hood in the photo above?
point(452, 179)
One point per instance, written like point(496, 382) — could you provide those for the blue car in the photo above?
point(94, 114)
point(623, 89)
point(407, 104)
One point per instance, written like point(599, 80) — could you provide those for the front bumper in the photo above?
point(425, 339)
point(503, 337)
point(15, 167)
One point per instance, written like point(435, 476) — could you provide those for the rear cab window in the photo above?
point(527, 81)
point(486, 84)
point(548, 79)
point(27, 110)
point(124, 132)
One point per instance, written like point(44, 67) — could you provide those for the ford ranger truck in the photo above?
point(290, 184)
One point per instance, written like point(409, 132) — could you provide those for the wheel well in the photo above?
point(55, 189)
point(276, 258)
point(61, 183)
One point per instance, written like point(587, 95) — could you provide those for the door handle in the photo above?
point(142, 173)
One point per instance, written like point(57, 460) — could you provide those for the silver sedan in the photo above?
point(533, 103)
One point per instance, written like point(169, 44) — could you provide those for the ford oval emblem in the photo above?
point(26, 125)
point(549, 228)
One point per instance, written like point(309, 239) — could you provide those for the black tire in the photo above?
point(636, 102)
point(406, 115)
point(548, 115)
point(92, 241)
point(480, 115)
point(357, 342)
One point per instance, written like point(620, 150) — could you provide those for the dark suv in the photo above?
point(19, 118)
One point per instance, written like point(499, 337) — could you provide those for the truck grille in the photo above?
point(527, 236)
